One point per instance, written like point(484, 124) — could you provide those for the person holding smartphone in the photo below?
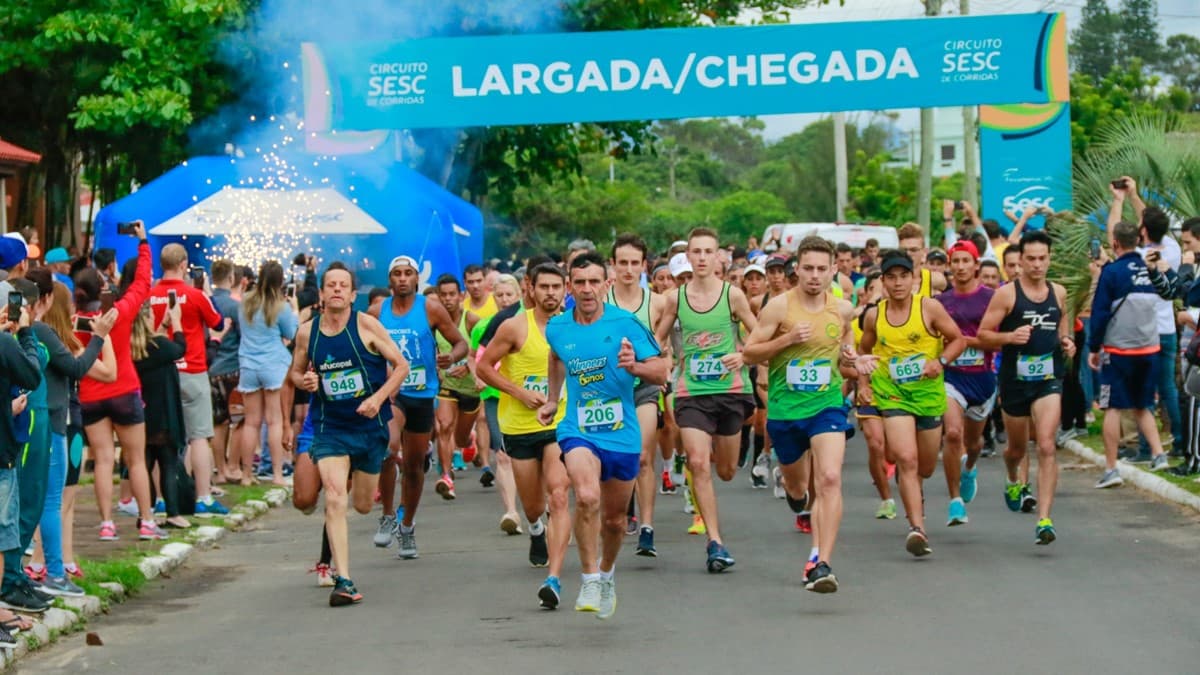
point(109, 407)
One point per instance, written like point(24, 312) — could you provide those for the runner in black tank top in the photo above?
point(1026, 322)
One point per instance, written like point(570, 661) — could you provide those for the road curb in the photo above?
point(58, 621)
point(1159, 487)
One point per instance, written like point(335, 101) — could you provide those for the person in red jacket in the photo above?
point(197, 313)
point(117, 405)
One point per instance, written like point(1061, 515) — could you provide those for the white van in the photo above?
point(789, 234)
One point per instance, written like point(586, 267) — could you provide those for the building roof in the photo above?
point(15, 153)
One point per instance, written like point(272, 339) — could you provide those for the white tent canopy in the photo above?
point(244, 210)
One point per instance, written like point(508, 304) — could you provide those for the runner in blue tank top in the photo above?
point(411, 321)
point(600, 351)
point(341, 358)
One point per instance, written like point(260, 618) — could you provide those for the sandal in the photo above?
point(16, 624)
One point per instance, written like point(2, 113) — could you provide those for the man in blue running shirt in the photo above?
point(599, 351)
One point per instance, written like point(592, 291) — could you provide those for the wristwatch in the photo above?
point(942, 360)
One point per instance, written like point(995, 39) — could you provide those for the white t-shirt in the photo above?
point(1165, 309)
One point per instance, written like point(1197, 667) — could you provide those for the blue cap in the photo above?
point(57, 255)
point(12, 252)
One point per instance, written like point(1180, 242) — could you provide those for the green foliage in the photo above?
point(1138, 31)
point(1071, 263)
point(1121, 94)
point(1181, 62)
point(1094, 43)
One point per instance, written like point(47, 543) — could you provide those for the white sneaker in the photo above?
point(608, 599)
point(385, 533)
point(589, 596)
point(129, 508)
point(1111, 478)
point(777, 474)
point(760, 469)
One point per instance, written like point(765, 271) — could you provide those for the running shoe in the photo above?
point(886, 510)
point(956, 514)
point(408, 543)
point(719, 559)
point(61, 586)
point(35, 576)
point(804, 522)
point(608, 599)
point(128, 508)
point(510, 525)
point(820, 579)
point(468, 455)
point(968, 482)
point(1012, 496)
point(589, 596)
point(759, 473)
point(539, 555)
point(108, 531)
point(631, 526)
point(698, 526)
point(917, 543)
point(210, 509)
point(645, 545)
point(777, 478)
point(445, 487)
point(1160, 462)
point(1045, 532)
point(160, 508)
point(22, 598)
point(549, 593)
point(7, 641)
point(989, 449)
point(74, 571)
point(456, 461)
point(325, 575)
point(678, 464)
point(385, 532)
point(148, 530)
point(796, 505)
point(689, 502)
point(486, 477)
point(891, 470)
point(1111, 478)
point(1189, 468)
point(809, 566)
point(1028, 501)
point(344, 593)
point(667, 487)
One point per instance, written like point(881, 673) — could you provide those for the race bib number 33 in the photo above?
point(705, 368)
point(809, 374)
point(905, 370)
point(601, 415)
point(1035, 368)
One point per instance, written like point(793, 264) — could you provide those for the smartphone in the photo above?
point(299, 273)
point(83, 324)
point(1152, 257)
point(1120, 184)
point(171, 298)
point(128, 227)
point(958, 206)
point(15, 300)
point(291, 290)
point(1095, 249)
point(106, 301)
point(197, 273)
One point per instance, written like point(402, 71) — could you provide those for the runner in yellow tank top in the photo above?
point(867, 414)
point(926, 284)
point(520, 348)
point(479, 299)
point(903, 354)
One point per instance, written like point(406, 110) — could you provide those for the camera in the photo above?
point(127, 227)
point(1120, 184)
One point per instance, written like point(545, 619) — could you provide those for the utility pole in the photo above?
point(925, 181)
point(971, 181)
point(839, 159)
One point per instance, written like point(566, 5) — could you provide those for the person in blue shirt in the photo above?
point(599, 351)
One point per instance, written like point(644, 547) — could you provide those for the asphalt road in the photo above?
point(1118, 592)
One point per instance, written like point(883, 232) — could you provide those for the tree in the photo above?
point(1094, 43)
point(1139, 32)
point(1122, 93)
point(110, 87)
point(1182, 63)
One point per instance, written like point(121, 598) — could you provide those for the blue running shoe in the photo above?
point(204, 510)
point(549, 593)
point(645, 545)
point(160, 507)
point(1045, 532)
point(957, 513)
point(456, 461)
point(1012, 496)
point(968, 483)
point(719, 559)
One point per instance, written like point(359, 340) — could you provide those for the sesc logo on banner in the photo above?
point(393, 84)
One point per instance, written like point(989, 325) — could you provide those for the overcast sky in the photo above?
point(1175, 16)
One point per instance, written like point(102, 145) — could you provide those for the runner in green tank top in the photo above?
point(712, 388)
point(629, 261)
point(807, 341)
point(458, 399)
